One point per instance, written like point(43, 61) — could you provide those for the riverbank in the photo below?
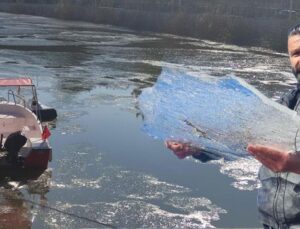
point(242, 22)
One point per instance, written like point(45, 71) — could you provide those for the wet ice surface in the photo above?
point(104, 167)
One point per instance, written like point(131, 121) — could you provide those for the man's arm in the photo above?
point(275, 159)
point(289, 99)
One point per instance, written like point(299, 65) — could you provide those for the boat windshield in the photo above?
point(22, 88)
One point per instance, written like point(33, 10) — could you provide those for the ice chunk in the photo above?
point(221, 115)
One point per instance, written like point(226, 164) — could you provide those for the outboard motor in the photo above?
point(13, 144)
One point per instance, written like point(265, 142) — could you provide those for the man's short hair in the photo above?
point(295, 30)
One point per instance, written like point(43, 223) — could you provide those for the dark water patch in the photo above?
point(149, 81)
point(109, 77)
point(67, 61)
point(11, 62)
point(72, 84)
point(24, 36)
point(45, 48)
point(134, 67)
point(103, 84)
point(58, 66)
point(88, 27)
point(61, 39)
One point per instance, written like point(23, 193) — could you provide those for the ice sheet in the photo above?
point(221, 115)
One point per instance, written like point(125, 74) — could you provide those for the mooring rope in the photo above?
point(65, 212)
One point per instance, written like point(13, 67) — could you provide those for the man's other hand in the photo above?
point(275, 159)
point(181, 149)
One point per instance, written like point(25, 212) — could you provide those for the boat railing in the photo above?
point(35, 104)
point(21, 101)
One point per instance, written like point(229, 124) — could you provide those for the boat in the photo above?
point(17, 85)
point(23, 140)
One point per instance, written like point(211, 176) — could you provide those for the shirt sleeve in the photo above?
point(203, 157)
point(289, 99)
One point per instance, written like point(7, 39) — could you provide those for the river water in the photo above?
point(104, 167)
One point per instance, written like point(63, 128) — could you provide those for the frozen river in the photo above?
point(104, 167)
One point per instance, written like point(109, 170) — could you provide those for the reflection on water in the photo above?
point(104, 167)
point(15, 213)
point(18, 208)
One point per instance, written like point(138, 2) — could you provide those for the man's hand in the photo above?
point(275, 159)
point(180, 149)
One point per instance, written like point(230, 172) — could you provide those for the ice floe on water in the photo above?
point(133, 214)
point(121, 197)
point(145, 202)
point(243, 171)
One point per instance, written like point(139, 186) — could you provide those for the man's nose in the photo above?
point(298, 63)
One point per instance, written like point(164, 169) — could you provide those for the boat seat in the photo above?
point(7, 116)
point(10, 124)
point(6, 120)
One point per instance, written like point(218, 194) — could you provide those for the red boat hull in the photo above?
point(38, 158)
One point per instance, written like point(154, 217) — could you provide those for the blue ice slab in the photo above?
point(221, 115)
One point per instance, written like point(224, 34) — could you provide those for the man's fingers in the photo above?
point(274, 159)
point(264, 149)
point(267, 152)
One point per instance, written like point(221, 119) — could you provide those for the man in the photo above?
point(279, 197)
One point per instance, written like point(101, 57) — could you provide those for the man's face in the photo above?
point(294, 54)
